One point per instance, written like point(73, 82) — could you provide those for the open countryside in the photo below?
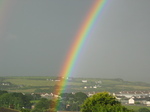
point(44, 86)
point(74, 55)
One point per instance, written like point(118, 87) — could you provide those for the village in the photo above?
point(134, 97)
point(125, 97)
point(43, 87)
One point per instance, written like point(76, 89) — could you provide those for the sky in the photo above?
point(35, 36)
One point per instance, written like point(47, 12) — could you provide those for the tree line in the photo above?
point(17, 101)
point(100, 102)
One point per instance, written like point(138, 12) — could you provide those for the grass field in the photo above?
point(134, 87)
point(22, 91)
point(30, 83)
point(27, 82)
point(136, 107)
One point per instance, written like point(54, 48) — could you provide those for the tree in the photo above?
point(80, 96)
point(25, 110)
point(103, 102)
point(15, 100)
point(7, 100)
point(23, 98)
point(44, 105)
point(2, 92)
point(71, 102)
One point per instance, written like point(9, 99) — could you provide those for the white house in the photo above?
point(131, 101)
point(84, 81)
point(148, 103)
point(95, 86)
point(85, 87)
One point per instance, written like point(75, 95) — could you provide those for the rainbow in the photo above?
point(79, 41)
point(80, 38)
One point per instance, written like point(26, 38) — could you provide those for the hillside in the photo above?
point(47, 84)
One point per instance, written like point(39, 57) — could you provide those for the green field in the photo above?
point(136, 107)
point(29, 84)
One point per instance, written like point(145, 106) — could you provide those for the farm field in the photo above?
point(30, 82)
point(47, 84)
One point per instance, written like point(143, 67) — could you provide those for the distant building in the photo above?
point(84, 81)
point(5, 83)
point(129, 94)
point(85, 87)
point(95, 87)
point(130, 97)
point(131, 101)
point(148, 103)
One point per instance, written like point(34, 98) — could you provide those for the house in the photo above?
point(90, 94)
point(95, 86)
point(85, 87)
point(84, 81)
point(137, 94)
point(98, 82)
point(148, 103)
point(45, 95)
point(5, 83)
point(56, 96)
point(142, 100)
point(131, 101)
point(130, 97)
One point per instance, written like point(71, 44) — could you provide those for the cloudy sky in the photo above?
point(35, 36)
